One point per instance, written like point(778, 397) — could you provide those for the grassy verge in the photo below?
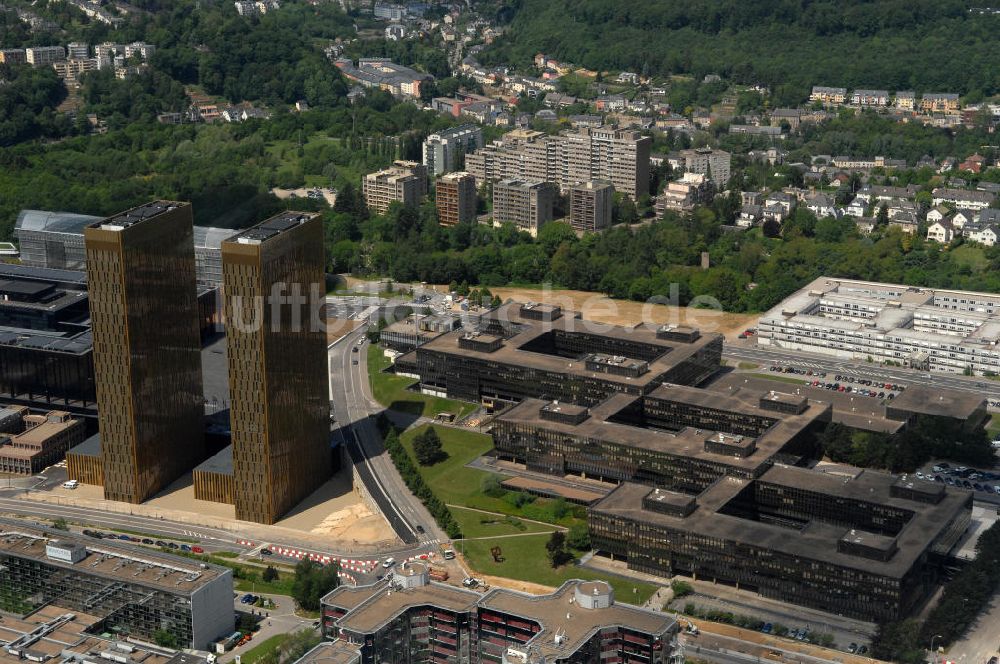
point(748, 365)
point(391, 391)
point(477, 524)
point(778, 378)
point(247, 578)
point(264, 648)
point(524, 558)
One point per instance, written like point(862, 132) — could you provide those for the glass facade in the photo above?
point(277, 364)
point(145, 324)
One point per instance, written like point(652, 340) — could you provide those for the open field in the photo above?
point(391, 391)
point(602, 309)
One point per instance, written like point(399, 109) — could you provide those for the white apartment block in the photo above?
point(442, 148)
point(592, 153)
point(77, 51)
point(684, 194)
point(712, 163)
point(963, 198)
point(930, 329)
point(41, 56)
point(404, 181)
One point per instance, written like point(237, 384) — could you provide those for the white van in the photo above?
point(70, 484)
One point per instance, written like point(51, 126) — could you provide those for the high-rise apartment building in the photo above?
point(274, 286)
point(592, 153)
point(12, 56)
point(78, 50)
point(44, 55)
point(147, 361)
point(404, 181)
point(444, 150)
point(525, 203)
point(456, 198)
point(590, 205)
point(712, 163)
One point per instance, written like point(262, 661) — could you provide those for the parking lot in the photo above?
point(847, 384)
point(982, 482)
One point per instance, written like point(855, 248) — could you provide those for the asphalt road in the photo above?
point(355, 408)
point(765, 356)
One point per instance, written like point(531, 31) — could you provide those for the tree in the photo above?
point(556, 549)
point(312, 581)
point(60, 524)
point(165, 639)
point(681, 588)
point(270, 574)
point(578, 537)
point(427, 447)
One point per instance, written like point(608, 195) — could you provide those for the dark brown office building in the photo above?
point(277, 364)
point(147, 363)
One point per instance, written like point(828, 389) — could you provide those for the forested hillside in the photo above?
point(790, 45)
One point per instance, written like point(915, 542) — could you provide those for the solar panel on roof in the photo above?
point(282, 223)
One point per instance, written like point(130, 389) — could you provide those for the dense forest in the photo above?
point(789, 45)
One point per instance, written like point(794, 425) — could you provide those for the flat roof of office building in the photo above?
point(137, 215)
point(271, 228)
point(68, 638)
point(817, 540)
point(90, 447)
point(380, 605)
point(938, 402)
point(688, 442)
point(107, 559)
point(332, 652)
point(220, 463)
point(575, 623)
point(512, 352)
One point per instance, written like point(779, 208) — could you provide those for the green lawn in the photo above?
point(264, 648)
point(973, 256)
point(455, 484)
point(391, 391)
point(524, 558)
point(477, 524)
point(777, 377)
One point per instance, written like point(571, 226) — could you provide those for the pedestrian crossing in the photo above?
point(430, 542)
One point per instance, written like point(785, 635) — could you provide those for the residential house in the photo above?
point(865, 225)
point(750, 216)
point(906, 100)
point(904, 221)
point(856, 208)
point(941, 231)
point(867, 98)
point(821, 205)
point(939, 102)
point(974, 163)
point(780, 199)
point(963, 198)
point(791, 116)
point(984, 234)
point(938, 213)
point(628, 77)
point(828, 95)
point(963, 218)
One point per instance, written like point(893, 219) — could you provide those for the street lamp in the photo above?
point(936, 636)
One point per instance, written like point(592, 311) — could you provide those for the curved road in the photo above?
point(355, 408)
